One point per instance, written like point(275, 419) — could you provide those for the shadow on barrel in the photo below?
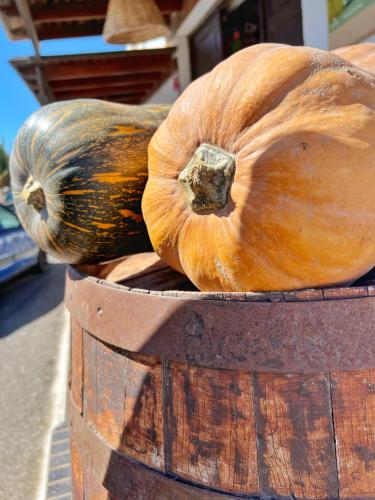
point(210, 405)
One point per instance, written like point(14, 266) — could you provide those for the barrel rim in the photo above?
point(296, 336)
point(302, 295)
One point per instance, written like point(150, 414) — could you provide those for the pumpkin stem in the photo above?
point(207, 178)
point(34, 194)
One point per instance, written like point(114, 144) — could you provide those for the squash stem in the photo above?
point(34, 194)
point(207, 178)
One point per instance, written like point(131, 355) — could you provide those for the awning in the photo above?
point(127, 76)
point(63, 18)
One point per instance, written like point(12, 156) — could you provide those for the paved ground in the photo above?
point(32, 321)
point(59, 475)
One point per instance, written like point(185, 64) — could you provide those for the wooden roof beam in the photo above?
point(70, 11)
point(84, 69)
point(103, 95)
point(95, 56)
point(95, 92)
point(168, 6)
point(51, 31)
point(43, 91)
point(24, 12)
point(61, 12)
point(110, 81)
point(119, 72)
point(80, 11)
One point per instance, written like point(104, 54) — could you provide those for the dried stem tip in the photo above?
point(207, 178)
point(34, 194)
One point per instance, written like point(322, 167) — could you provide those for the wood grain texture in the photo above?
point(90, 413)
point(76, 456)
point(109, 393)
point(142, 437)
point(125, 478)
point(76, 366)
point(150, 429)
point(123, 402)
point(296, 451)
point(77, 473)
point(211, 428)
point(93, 489)
point(145, 269)
point(353, 398)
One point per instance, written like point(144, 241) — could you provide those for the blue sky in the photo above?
point(16, 100)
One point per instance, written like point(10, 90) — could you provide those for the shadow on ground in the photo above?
point(28, 297)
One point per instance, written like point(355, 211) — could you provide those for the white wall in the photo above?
point(183, 61)
point(316, 26)
point(165, 94)
point(315, 23)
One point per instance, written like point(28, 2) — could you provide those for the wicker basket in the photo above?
point(128, 21)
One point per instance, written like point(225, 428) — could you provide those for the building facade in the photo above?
point(214, 29)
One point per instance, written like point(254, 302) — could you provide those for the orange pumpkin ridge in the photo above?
point(362, 55)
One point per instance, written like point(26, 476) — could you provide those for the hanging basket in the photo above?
point(132, 22)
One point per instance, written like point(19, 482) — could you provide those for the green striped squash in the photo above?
point(78, 170)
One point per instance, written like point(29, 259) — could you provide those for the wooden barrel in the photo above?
point(187, 395)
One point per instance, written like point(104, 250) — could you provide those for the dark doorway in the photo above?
point(238, 25)
point(282, 21)
point(206, 47)
point(241, 27)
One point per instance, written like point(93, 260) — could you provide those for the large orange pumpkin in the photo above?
point(362, 55)
point(263, 175)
